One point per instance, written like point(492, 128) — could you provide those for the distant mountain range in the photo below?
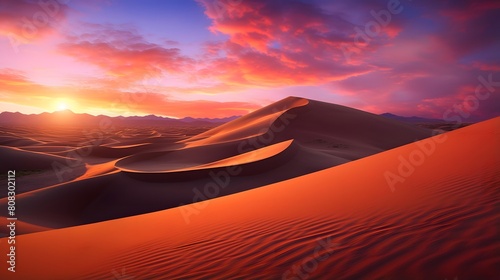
point(414, 119)
point(67, 117)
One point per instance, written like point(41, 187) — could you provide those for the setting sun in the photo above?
point(61, 106)
point(262, 139)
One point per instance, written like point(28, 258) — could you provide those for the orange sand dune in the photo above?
point(258, 155)
point(253, 124)
point(350, 132)
point(238, 160)
point(41, 179)
point(437, 220)
point(17, 159)
point(116, 152)
point(112, 195)
point(15, 141)
point(98, 170)
point(29, 150)
point(48, 149)
point(21, 228)
point(163, 172)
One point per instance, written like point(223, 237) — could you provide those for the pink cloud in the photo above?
point(272, 44)
point(24, 21)
point(487, 66)
point(124, 54)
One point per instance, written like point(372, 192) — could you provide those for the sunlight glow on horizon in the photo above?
point(182, 59)
point(62, 106)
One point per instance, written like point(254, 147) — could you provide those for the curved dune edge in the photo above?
point(98, 170)
point(251, 125)
point(47, 149)
point(18, 141)
point(128, 146)
point(439, 223)
point(22, 228)
point(242, 159)
point(248, 157)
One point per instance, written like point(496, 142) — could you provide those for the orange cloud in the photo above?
point(17, 89)
point(14, 84)
point(124, 55)
point(272, 44)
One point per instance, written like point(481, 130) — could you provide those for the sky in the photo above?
point(220, 58)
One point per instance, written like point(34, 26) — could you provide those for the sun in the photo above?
point(61, 106)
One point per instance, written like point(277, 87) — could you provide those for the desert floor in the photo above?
point(297, 190)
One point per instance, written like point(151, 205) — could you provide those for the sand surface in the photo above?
point(344, 222)
point(119, 171)
point(299, 189)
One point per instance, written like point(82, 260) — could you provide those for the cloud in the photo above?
point(124, 54)
point(425, 60)
point(468, 26)
point(155, 103)
point(423, 54)
point(433, 63)
point(15, 82)
point(418, 93)
point(24, 21)
point(274, 43)
point(487, 66)
point(16, 88)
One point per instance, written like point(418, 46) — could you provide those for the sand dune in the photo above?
point(32, 148)
point(336, 129)
point(438, 221)
point(17, 159)
point(130, 193)
point(48, 149)
point(289, 138)
point(253, 124)
point(163, 166)
point(17, 141)
point(326, 128)
point(18, 137)
point(22, 228)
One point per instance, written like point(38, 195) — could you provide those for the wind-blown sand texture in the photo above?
point(435, 216)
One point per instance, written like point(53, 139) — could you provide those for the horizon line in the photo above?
point(117, 116)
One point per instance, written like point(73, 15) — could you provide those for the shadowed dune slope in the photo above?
point(17, 141)
point(343, 131)
point(101, 193)
point(326, 128)
point(438, 221)
point(249, 125)
point(164, 166)
point(17, 159)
